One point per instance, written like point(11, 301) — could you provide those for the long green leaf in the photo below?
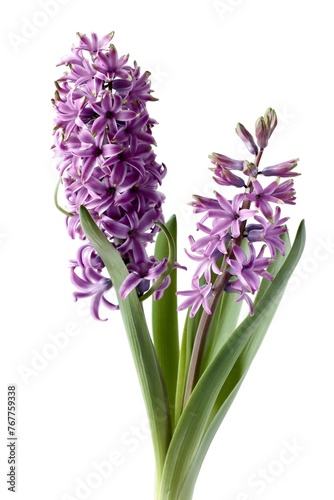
point(188, 486)
point(235, 378)
point(195, 420)
point(230, 388)
point(165, 320)
point(146, 362)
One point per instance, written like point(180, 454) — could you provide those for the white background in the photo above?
point(213, 63)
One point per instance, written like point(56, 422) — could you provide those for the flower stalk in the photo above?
point(218, 289)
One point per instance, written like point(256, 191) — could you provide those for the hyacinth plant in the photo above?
point(110, 181)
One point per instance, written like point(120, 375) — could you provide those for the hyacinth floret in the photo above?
point(103, 143)
point(225, 251)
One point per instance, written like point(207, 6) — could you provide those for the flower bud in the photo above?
point(281, 169)
point(225, 161)
point(225, 177)
point(270, 118)
point(202, 203)
point(250, 169)
point(262, 132)
point(247, 138)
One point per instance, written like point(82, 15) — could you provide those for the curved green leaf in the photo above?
point(144, 355)
point(193, 432)
point(188, 486)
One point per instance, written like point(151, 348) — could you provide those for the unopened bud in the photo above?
point(225, 177)
point(262, 132)
point(270, 118)
point(225, 161)
point(281, 169)
point(250, 169)
point(247, 138)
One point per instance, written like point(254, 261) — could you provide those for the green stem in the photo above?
point(201, 335)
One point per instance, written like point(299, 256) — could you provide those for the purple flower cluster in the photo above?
point(103, 140)
point(231, 228)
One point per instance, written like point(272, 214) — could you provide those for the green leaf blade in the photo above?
point(144, 355)
point(165, 320)
point(199, 420)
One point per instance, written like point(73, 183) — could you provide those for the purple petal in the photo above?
point(129, 284)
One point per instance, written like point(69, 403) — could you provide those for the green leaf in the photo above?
point(144, 355)
point(198, 422)
point(223, 324)
point(188, 486)
point(165, 318)
point(236, 376)
point(245, 359)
